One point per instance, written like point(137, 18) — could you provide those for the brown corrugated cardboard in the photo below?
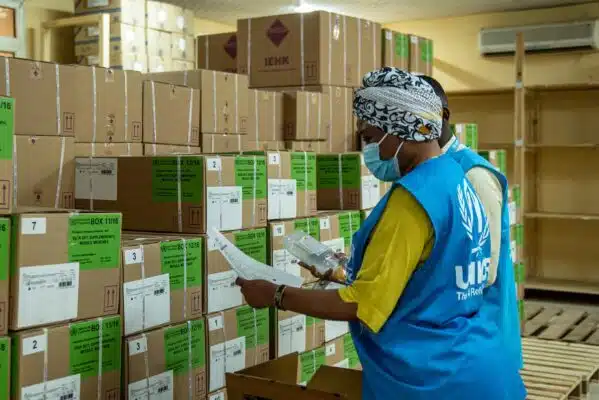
point(169, 362)
point(159, 43)
point(370, 49)
point(218, 395)
point(224, 98)
point(275, 381)
point(7, 140)
point(357, 189)
point(249, 145)
point(396, 49)
point(124, 61)
point(131, 12)
point(162, 16)
point(124, 38)
point(342, 353)
point(306, 115)
point(215, 143)
point(218, 52)
point(307, 145)
point(237, 339)
point(152, 149)
point(183, 47)
point(221, 292)
point(421, 55)
point(297, 333)
point(185, 21)
point(182, 65)
point(73, 361)
point(108, 149)
point(5, 239)
point(108, 105)
point(265, 115)
point(171, 114)
point(162, 281)
point(183, 194)
point(243, 44)
point(159, 64)
point(291, 184)
point(74, 266)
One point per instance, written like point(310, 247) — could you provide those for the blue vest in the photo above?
point(501, 298)
point(437, 343)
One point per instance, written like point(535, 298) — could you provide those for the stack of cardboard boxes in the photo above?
point(144, 35)
point(408, 52)
point(217, 52)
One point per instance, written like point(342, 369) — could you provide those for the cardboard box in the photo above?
point(215, 143)
point(159, 43)
point(153, 149)
point(218, 395)
point(118, 60)
point(159, 64)
point(73, 361)
point(132, 12)
point(184, 21)
point(168, 362)
point(123, 38)
point(5, 367)
point(75, 267)
point(108, 105)
point(497, 158)
point(183, 47)
point(291, 184)
point(342, 353)
point(171, 114)
point(515, 204)
point(265, 115)
point(276, 379)
point(517, 243)
point(467, 134)
point(225, 192)
point(218, 52)
point(5, 249)
point(162, 281)
point(396, 49)
point(224, 98)
point(357, 189)
point(421, 55)
point(306, 115)
point(297, 333)
point(369, 38)
point(162, 16)
point(249, 145)
point(182, 65)
point(221, 292)
point(237, 339)
point(313, 146)
point(108, 149)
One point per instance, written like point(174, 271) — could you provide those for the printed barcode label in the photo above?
point(65, 284)
point(67, 396)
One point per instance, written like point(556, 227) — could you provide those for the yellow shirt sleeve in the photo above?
point(402, 239)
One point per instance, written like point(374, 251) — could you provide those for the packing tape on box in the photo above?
point(100, 344)
point(254, 189)
point(154, 129)
point(94, 105)
point(58, 116)
point(129, 149)
point(279, 173)
point(345, 50)
point(189, 362)
point(237, 104)
point(222, 315)
point(126, 122)
point(375, 54)
point(331, 121)
point(307, 122)
point(60, 173)
point(340, 171)
point(45, 371)
point(302, 51)
point(206, 52)
point(257, 116)
point(255, 338)
point(179, 204)
point(184, 243)
point(214, 111)
point(359, 69)
point(345, 121)
point(185, 78)
point(319, 122)
point(330, 47)
point(190, 117)
point(273, 98)
point(306, 185)
point(249, 49)
point(146, 364)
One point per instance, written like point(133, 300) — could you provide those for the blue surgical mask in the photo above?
point(384, 170)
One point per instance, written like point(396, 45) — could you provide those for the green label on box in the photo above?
point(517, 195)
point(303, 170)
point(252, 243)
point(177, 179)
point(310, 361)
point(332, 167)
point(4, 367)
point(84, 347)
point(250, 174)
point(95, 240)
point(254, 325)
point(4, 248)
point(519, 273)
point(426, 50)
point(467, 134)
point(177, 343)
point(174, 260)
point(311, 226)
point(7, 131)
point(502, 161)
point(350, 351)
point(349, 223)
point(519, 228)
point(521, 309)
point(312, 321)
point(402, 45)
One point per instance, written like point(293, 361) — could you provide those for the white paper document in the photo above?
point(248, 268)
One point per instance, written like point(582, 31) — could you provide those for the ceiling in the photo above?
point(227, 11)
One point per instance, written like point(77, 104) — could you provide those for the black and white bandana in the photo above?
point(399, 103)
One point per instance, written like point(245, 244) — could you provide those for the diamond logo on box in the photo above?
point(277, 32)
point(231, 47)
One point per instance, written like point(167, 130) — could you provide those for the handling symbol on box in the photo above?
point(195, 216)
point(112, 394)
point(4, 195)
point(196, 302)
point(68, 122)
point(136, 130)
point(110, 298)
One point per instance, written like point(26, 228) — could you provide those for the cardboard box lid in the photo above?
point(276, 379)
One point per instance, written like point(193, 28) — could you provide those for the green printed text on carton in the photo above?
point(402, 45)
point(4, 367)
point(84, 348)
point(254, 325)
point(310, 361)
point(350, 352)
point(4, 248)
point(310, 226)
point(303, 166)
point(177, 342)
point(250, 174)
point(177, 178)
point(331, 167)
point(7, 131)
point(349, 223)
point(174, 260)
point(253, 243)
point(95, 240)
point(312, 321)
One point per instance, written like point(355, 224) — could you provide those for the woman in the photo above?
point(419, 264)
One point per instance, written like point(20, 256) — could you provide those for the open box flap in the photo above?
point(345, 382)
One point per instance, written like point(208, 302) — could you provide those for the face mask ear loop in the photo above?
point(384, 137)
point(395, 160)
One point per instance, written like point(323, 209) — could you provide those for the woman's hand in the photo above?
point(257, 293)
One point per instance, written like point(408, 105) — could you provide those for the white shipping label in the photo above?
point(138, 346)
point(157, 387)
point(214, 164)
point(334, 329)
point(292, 335)
point(33, 226)
point(217, 396)
point(93, 31)
point(343, 364)
point(147, 303)
point(34, 344)
point(325, 223)
point(224, 209)
point(98, 3)
point(40, 286)
point(371, 191)
point(330, 350)
point(337, 245)
point(512, 209)
point(225, 357)
point(68, 387)
point(274, 158)
point(388, 35)
point(215, 323)
point(284, 261)
point(180, 22)
point(96, 178)
point(223, 293)
point(134, 256)
point(278, 230)
point(282, 198)
point(514, 250)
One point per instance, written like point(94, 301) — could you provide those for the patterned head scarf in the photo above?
point(399, 103)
